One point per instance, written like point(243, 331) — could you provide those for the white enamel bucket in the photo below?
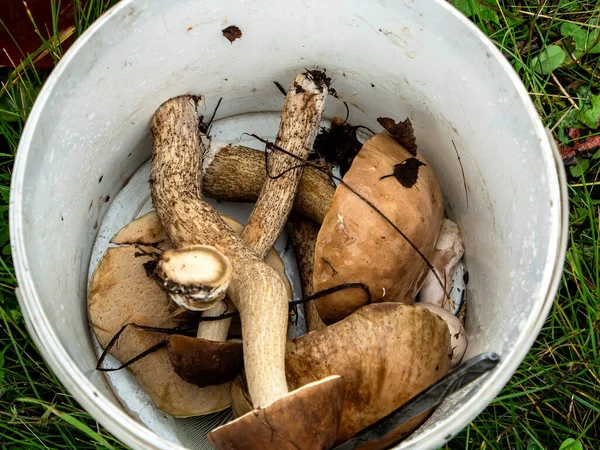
point(420, 59)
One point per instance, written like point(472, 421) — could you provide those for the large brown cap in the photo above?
point(386, 354)
point(355, 244)
point(305, 419)
point(203, 362)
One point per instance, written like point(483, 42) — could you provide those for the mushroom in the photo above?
point(237, 173)
point(385, 352)
point(121, 292)
point(448, 251)
point(355, 244)
point(210, 363)
point(303, 236)
point(290, 423)
point(457, 331)
point(255, 289)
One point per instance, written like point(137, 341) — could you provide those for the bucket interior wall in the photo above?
point(387, 58)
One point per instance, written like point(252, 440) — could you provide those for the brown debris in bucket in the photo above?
point(406, 172)
point(402, 131)
point(232, 33)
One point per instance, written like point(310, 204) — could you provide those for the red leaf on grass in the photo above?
point(586, 145)
point(574, 133)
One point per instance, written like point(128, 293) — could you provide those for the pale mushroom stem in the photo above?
point(237, 173)
point(256, 289)
point(213, 330)
point(298, 129)
point(303, 235)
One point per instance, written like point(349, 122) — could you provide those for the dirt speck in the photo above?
point(298, 88)
point(100, 179)
point(190, 28)
point(320, 78)
point(232, 33)
point(107, 199)
point(91, 204)
point(372, 85)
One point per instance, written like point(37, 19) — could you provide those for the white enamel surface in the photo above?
point(91, 120)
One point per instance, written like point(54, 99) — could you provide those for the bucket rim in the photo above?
point(136, 435)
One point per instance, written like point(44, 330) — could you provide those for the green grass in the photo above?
point(553, 398)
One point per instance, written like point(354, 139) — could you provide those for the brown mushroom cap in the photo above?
point(203, 362)
point(143, 230)
point(355, 244)
point(121, 292)
point(386, 354)
point(458, 334)
point(305, 419)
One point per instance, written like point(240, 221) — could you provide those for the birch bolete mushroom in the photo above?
point(121, 292)
point(448, 251)
point(255, 289)
point(355, 244)
point(386, 353)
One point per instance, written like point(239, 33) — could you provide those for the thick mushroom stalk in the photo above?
point(255, 289)
point(236, 173)
point(297, 132)
point(194, 277)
